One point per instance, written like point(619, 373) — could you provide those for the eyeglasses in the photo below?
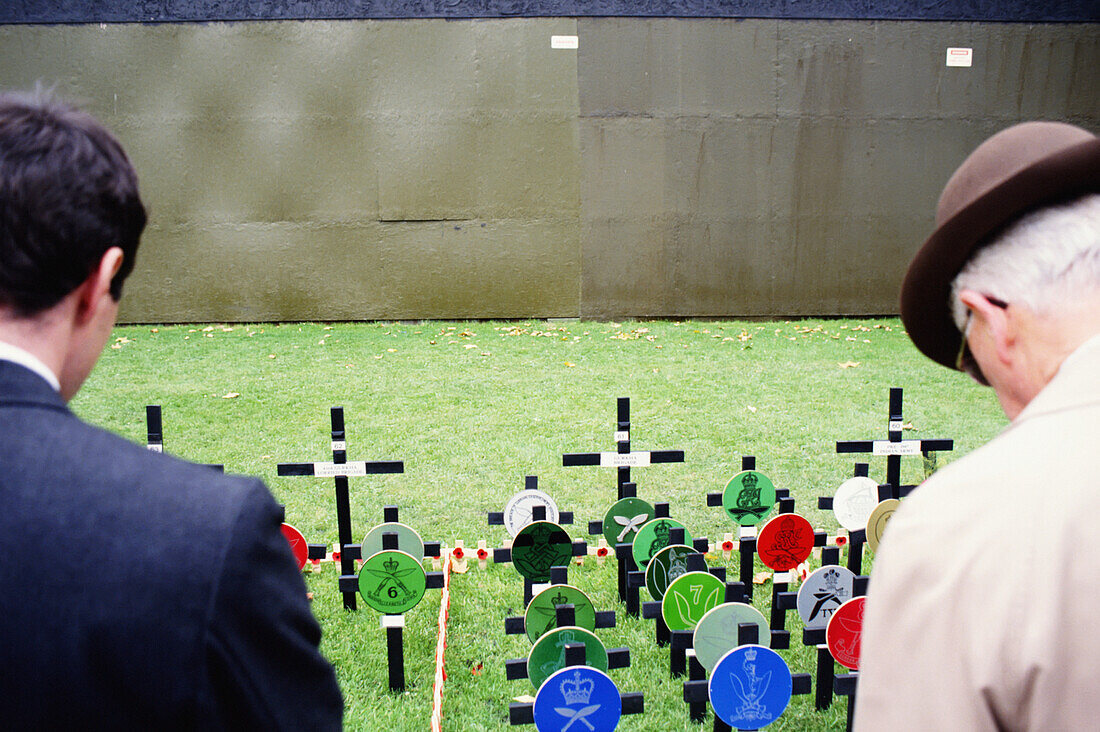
point(965, 361)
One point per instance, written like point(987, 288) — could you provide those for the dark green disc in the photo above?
point(748, 497)
point(539, 546)
point(541, 613)
point(548, 653)
point(653, 537)
point(623, 520)
point(666, 565)
point(392, 582)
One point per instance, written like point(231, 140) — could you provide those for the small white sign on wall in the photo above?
point(564, 42)
point(960, 57)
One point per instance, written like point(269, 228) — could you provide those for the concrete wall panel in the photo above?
point(432, 169)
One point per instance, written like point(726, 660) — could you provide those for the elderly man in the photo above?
point(137, 591)
point(983, 603)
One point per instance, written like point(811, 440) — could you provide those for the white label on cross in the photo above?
point(746, 532)
point(629, 460)
point(331, 470)
point(339, 445)
point(622, 437)
point(392, 621)
point(156, 447)
point(895, 426)
point(905, 447)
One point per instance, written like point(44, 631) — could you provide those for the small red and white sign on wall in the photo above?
point(960, 57)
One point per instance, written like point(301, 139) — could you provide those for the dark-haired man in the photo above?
point(170, 599)
point(982, 607)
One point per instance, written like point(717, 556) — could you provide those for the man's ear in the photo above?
point(98, 285)
point(996, 319)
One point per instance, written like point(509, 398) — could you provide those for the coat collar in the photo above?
point(1075, 383)
point(19, 386)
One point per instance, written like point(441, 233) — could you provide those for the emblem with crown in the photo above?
point(577, 690)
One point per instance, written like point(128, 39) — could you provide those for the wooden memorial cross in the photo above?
point(340, 470)
point(546, 547)
point(782, 600)
point(894, 447)
point(582, 694)
point(636, 579)
point(557, 602)
point(696, 688)
point(395, 624)
point(858, 537)
point(154, 433)
point(746, 537)
point(623, 459)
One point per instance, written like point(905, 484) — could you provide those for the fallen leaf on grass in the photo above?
point(751, 409)
point(231, 395)
point(848, 364)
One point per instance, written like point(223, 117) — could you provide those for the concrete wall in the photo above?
point(464, 169)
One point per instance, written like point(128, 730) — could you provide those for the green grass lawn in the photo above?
point(472, 408)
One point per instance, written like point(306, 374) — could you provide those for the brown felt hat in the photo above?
point(1020, 169)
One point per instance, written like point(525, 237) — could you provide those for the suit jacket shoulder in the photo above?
point(162, 593)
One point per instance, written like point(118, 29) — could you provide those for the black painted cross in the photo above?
point(623, 459)
point(154, 433)
point(340, 470)
point(894, 448)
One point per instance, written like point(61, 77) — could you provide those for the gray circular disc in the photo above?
point(853, 502)
point(517, 512)
point(408, 540)
point(822, 593)
point(716, 633)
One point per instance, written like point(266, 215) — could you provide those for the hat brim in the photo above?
point(926, 289)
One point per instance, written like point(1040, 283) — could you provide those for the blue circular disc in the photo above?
point(750, 687)
point(578, 698)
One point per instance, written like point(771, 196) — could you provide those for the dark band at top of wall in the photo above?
point(171, 11)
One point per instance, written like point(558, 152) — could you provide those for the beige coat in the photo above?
point(983, 610)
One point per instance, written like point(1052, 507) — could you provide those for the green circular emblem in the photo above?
point(688, 598)
point(541, 613)
point(623, 520)
point(716, 632)
point(748, 497)
point(548, 653)
point(666, 565)
point(539, 546)
point(653, 537)
point(408, 540)
point(392, 582)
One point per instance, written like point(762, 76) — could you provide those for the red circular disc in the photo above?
point(843, 632)
point(785, 542)
point(297, 544)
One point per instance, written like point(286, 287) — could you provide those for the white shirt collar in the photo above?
point(15, 354)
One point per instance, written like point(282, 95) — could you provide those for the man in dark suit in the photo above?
point(137, 591)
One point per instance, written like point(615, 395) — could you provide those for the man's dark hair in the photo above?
point(68, 193)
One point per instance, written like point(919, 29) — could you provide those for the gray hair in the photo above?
point(1047, 260)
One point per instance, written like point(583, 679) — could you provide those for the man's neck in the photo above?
point(38, 343)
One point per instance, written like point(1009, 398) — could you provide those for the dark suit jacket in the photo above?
point(138, 591)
